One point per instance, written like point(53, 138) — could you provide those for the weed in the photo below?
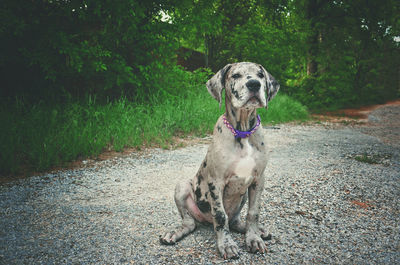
point(370, 159)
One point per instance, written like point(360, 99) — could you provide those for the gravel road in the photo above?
point(323, 203)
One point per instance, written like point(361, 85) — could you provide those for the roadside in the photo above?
point(380, 120)
point(344, 117)
point(332, 196)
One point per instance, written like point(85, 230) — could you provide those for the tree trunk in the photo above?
point(206, 48)
point(312, 40)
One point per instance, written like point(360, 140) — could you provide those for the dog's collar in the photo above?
point(241, 134)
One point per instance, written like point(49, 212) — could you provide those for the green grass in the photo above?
point(370, 159)
point(282, 109)
point(42, 136)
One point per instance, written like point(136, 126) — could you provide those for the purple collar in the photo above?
point(241, 134)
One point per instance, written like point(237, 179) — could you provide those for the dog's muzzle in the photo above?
point(254, 87)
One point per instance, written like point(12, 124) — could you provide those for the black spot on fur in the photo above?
point(198, 193)
point(220, 218)
point(233, 113)
point(211, 188)
point(204, 206)
point(219, 129)
point(239, 141)
point(234, 92)
point(262, 143)
point(199, 179)
point(205, 163)
point(253, 186)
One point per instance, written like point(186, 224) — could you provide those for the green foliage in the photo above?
point(325, 53)
point(41, 136)
point(354, 51)
point(328, 54)
point(104, 47)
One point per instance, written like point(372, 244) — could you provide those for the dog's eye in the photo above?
point(236, 76)
point(260, 75)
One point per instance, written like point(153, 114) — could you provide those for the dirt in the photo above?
point(352, 115)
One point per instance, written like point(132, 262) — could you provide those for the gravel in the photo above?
point(323, 203)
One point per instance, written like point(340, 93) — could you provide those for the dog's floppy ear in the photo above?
point(271, 84)
point(217, 83)
point(273, 87)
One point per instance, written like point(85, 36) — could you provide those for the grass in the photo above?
point(371, 159)
point(42, 136)
point(283, 109)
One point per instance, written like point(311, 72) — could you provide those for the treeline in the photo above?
point(326, 53)
point(81, 77)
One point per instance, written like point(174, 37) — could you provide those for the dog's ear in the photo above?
point(271, 84)
point(273, 87)
point(217, 83)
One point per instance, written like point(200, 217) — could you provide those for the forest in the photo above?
point(81, 77)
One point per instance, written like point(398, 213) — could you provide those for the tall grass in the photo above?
point(283, 109)
point(38, 137)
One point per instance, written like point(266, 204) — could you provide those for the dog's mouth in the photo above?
point(253, 101)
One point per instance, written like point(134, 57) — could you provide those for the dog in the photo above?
point(233, 168)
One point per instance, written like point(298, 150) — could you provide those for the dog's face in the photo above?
point(247, 85)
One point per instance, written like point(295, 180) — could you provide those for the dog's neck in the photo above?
point(241, 119)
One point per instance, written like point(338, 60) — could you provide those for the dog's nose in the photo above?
point(253, 85)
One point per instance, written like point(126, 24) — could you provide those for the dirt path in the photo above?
point(332, 196)
point(382, 121)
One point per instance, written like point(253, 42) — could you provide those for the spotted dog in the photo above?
point(234, 165)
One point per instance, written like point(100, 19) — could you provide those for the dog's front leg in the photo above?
point(254, 233)
point(226, 246)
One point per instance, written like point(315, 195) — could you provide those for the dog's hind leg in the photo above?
point(182, 199)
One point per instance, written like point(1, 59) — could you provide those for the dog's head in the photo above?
point(247, 85)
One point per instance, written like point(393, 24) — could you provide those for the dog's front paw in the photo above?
point(169, 238)
point(227, 247)
point(254, 243)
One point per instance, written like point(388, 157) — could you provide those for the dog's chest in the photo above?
point(244, 161)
